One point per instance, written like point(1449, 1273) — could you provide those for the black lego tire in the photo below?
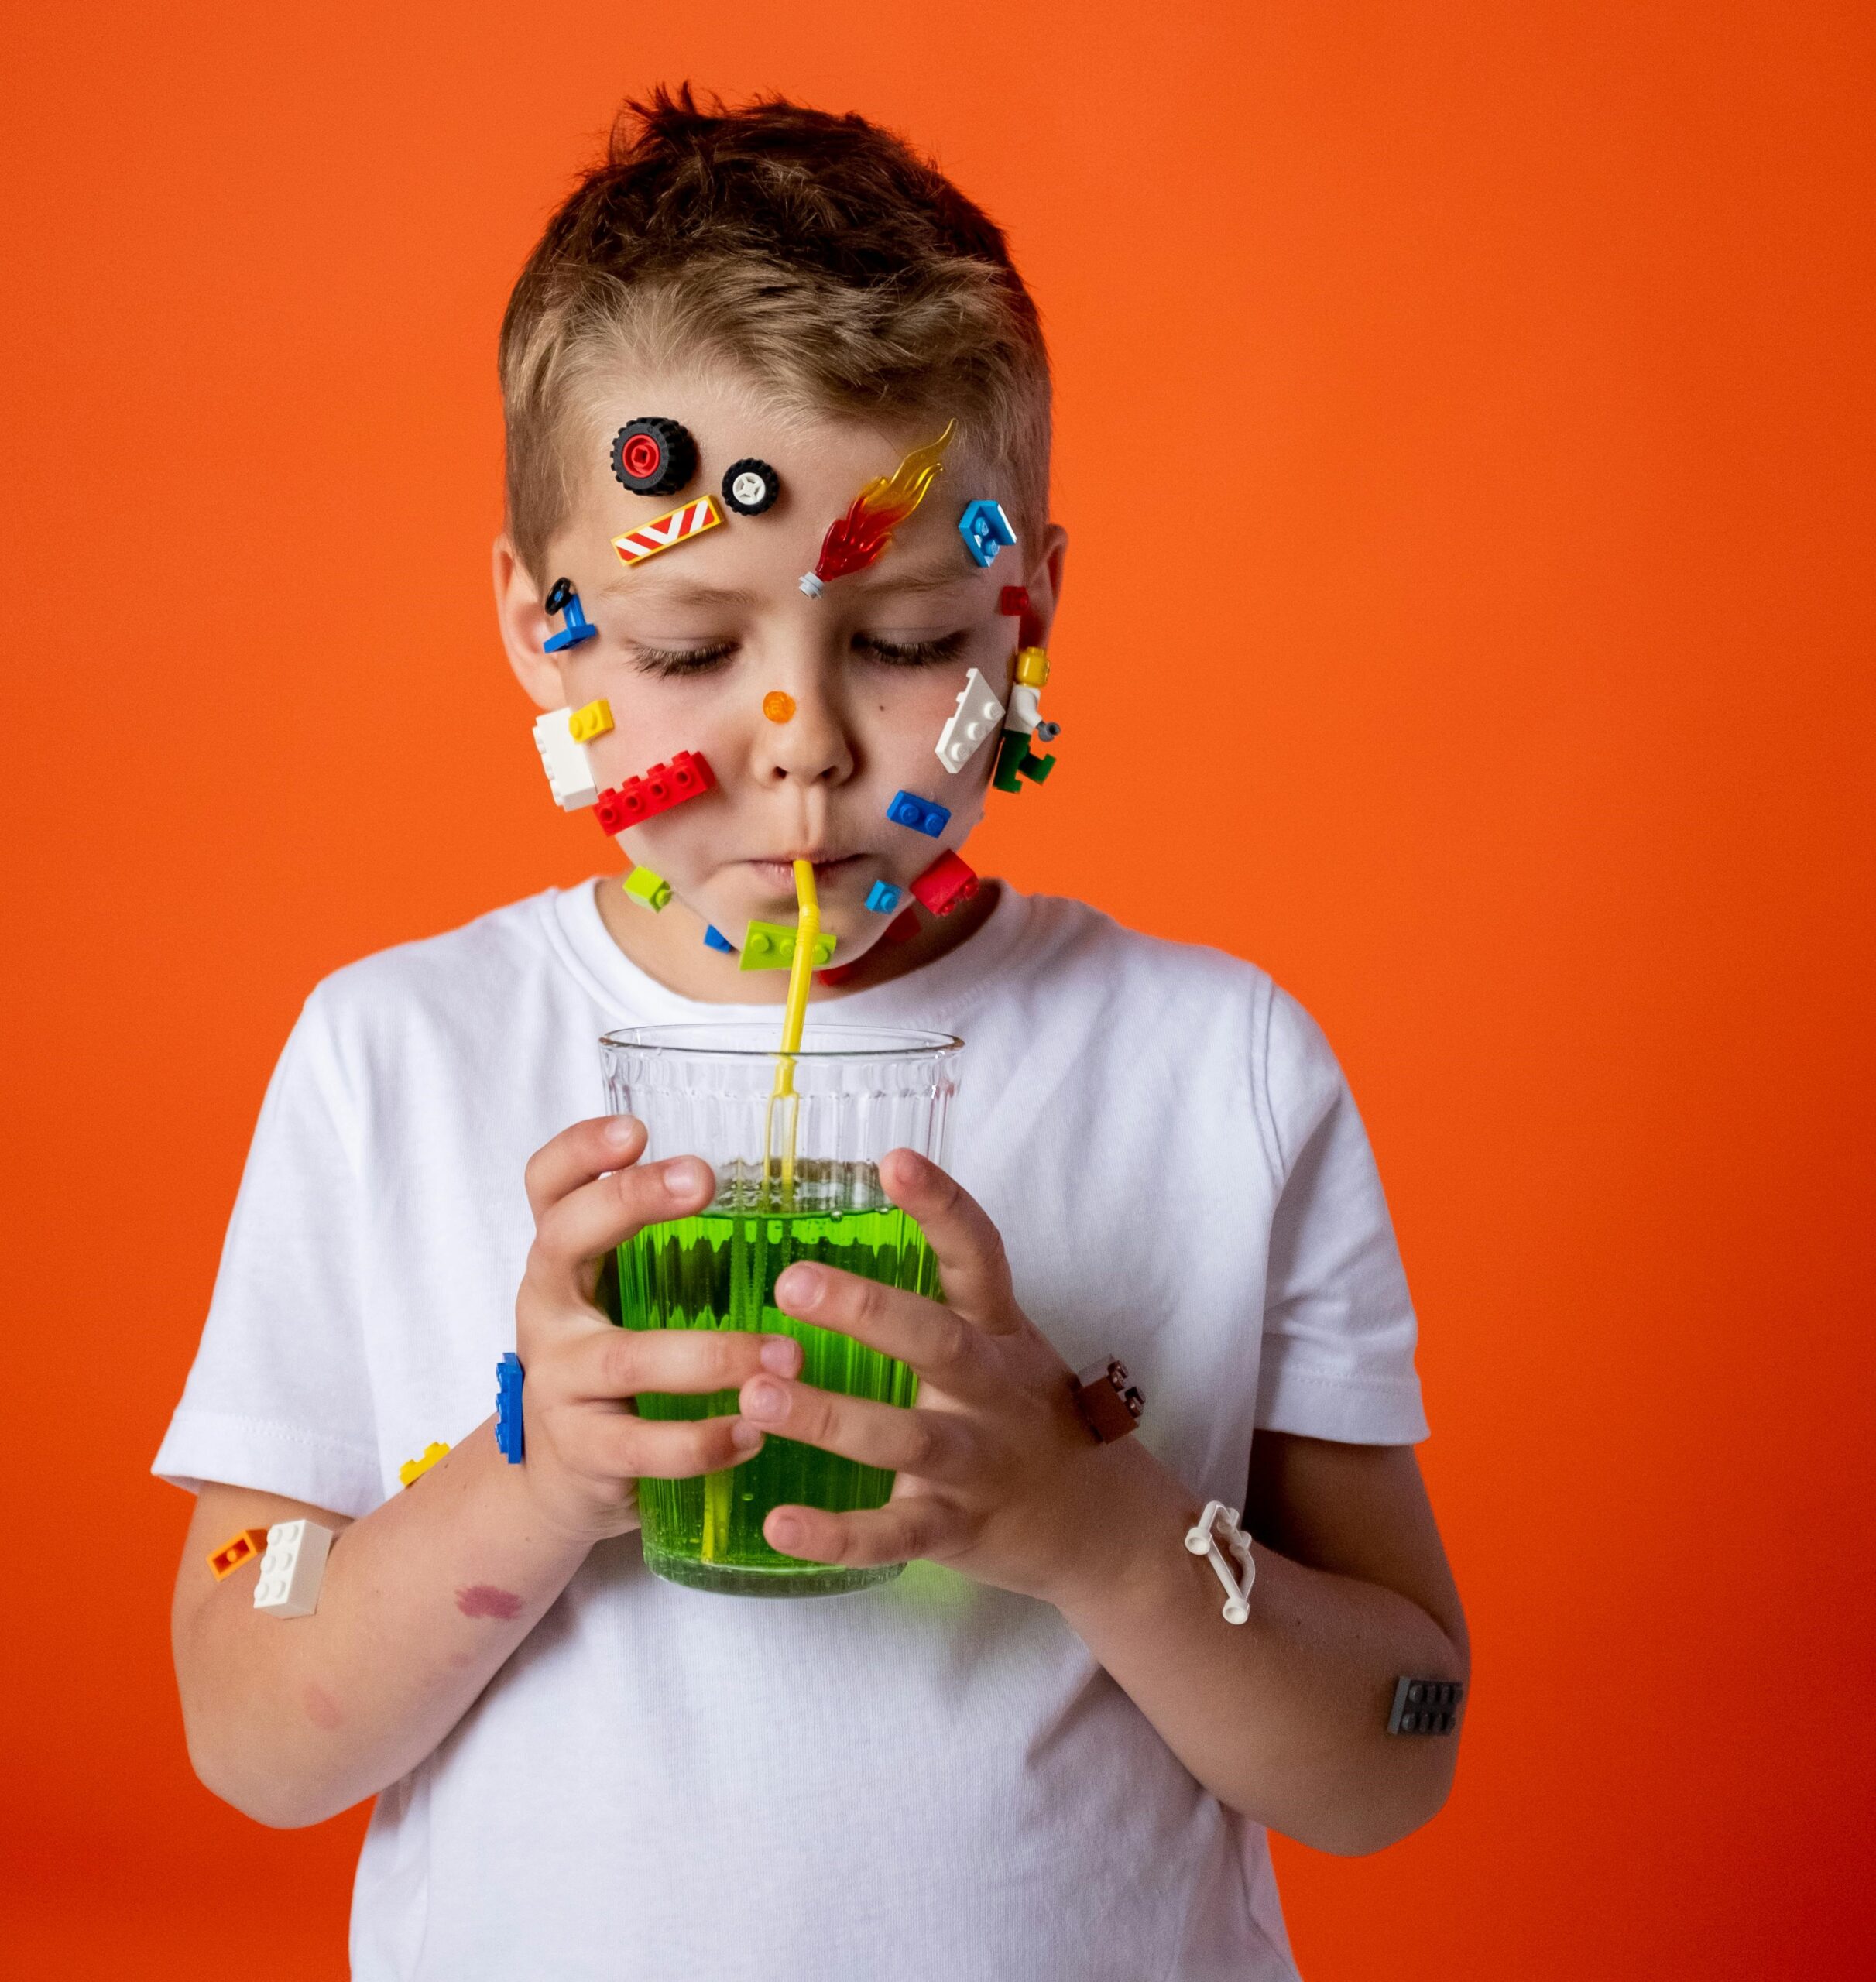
point(558, 593)
point(751, 470)
point(653, 457)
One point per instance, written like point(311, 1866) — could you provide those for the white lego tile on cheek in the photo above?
point(978, 716)
point(293, 1568)
point(569, 770)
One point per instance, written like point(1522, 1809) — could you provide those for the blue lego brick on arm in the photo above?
point(510, 1433)
point(907, 809)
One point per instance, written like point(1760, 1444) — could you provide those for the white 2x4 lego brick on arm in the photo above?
point(293, 1568)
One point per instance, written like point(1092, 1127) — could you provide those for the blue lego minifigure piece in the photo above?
point(882, 897)
point(985, 530)
point(562, 598)
point(716, 939)
point(510, 1433)
point(919, 814)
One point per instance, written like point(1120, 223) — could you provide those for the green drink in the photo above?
point(718, 1271)
point(795, 1139)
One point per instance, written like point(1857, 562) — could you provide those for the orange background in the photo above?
point(1505, 369)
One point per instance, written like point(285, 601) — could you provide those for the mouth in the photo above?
point(778, 876)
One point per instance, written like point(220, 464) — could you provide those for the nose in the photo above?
point(811, 745)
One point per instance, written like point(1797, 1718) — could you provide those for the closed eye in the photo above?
point(910, 653)
point(693, 661)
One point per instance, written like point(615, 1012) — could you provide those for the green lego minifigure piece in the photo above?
point(1010, 753)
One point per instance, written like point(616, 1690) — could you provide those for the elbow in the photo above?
point(1373, 1825)
point(243, 1780)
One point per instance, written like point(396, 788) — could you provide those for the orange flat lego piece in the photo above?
point(250, 1544)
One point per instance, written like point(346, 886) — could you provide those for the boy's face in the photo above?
point(692, 641)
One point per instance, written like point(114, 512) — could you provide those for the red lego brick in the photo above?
point(1029, 633)
point(839, 973)
point(1012, 600)
point(904, 926)
point(944, 883)
point(688, 775)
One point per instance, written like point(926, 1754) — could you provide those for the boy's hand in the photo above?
point(586, 1448)
point(998, 1474)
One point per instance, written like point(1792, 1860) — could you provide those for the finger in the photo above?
point(940, 1345)
point(900, 1531)
point(576, 1229)
point(619, 1363)
point(930, 1445)
point(607, 1443)
point(577, 1155)
point(973, 1266)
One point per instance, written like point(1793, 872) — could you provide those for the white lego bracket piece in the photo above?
point(293, 1568)
point(1025, 708)
point(978, 716)
point(1222, 1521)
point(570, 771)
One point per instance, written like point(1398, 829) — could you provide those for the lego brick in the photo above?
point(1012, 750)
point(1036, 769)
point(1012, 601)
point(770, 946)
point(944, 883)
point(839, 973)
point(882, 897)
point(649, 889)
point(675, 526)
point(510, 1431)
point(562, 757)
point(562, 598)
point(751, 486)
point(921, 815)
point(688, 775)
point(413, 1469)
point(293, 1568)
point(904, 926)
point(654, 456)
point(248, 1546)
point(976, 716)
point(593, 720)
point(716, 939)
point(1032, 668)
point(1025, 707)
point(985, 530)
point(778, 706)
point(1109, 1399)
point(1426, 1706)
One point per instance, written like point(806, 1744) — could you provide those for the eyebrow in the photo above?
point(675, 590)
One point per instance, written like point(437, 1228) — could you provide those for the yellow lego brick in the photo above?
point(594, 720)
point(413, 1469)
point(1032, 668)
point(649, 890)
point(770, 946)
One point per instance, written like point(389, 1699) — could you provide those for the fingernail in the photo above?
point(799, 1287)
point(684, 1176)
point(784, 1532)
point(762, 1400)
point(618, 1130)
point(745, 1438)
point(781, 1355)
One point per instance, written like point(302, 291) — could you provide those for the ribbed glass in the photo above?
point(798, 1177)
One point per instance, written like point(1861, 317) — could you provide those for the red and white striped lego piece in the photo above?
point(676, 525)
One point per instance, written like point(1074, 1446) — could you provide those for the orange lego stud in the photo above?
point(248, 1546)
point(778, 706)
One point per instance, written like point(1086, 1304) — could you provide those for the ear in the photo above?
point(1044, 584)
point(525, 627)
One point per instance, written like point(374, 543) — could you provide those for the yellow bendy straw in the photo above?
point(794, 1017)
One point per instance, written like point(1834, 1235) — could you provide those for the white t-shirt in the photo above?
point(932, 1780)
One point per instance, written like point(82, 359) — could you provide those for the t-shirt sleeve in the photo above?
point(279, 1396)
point(1338, 1326)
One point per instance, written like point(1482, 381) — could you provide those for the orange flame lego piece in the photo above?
point(858, 539)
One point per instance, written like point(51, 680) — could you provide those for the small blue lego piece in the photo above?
point(919, 814)
point(510, 1433)
point(562, 598)
point(716, 939)
point(985, 530)
point(882, 897)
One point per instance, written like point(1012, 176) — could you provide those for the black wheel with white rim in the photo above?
point(750, 487)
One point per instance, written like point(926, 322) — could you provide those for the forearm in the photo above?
point(423, 1599)
point(1283, 1718)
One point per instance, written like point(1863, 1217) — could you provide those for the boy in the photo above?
point(1043, 1752)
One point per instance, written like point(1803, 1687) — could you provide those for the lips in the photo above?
point(780, 872)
